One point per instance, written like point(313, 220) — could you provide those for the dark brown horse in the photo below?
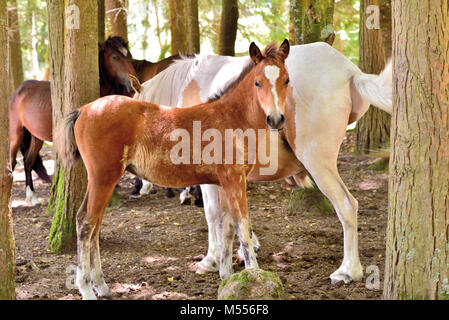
point(30, 108)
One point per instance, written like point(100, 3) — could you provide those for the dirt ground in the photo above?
point(150, 246)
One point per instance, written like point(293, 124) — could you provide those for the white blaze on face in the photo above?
point(272, 73)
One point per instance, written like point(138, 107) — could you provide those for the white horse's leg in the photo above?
point(185, 194)
point(146, 188)
point(211, 201)
point(211, 262)
point(328, 180)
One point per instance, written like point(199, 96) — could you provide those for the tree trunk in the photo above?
point(417, 255)
point(373, 130)
point(313, 21)
point(101, 21)
point(178, 26)
point(15, 50)
point(117, 18)
point(387, 27)
point(80, 85)
point(228, 27)
point(193, 26)
point(7, 261)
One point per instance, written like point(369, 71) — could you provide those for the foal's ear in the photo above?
point(255, 53)
point(284, 50)
point(101, 46)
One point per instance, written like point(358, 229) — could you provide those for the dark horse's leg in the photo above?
point(30, 157)
point(38, 165)
point(170, 194)
point(198, 196)
point(137, 186)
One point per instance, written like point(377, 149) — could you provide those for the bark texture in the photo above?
point(228, 27)
point(417, 256)
point(15, 50)
point(193, 26)
point(7, 261)
point(117, 18)
point(178, 27)
point(312, 21)
point(102, 21)
point(80, 85)
point(373, 130)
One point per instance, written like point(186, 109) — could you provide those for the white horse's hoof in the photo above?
point(146, 188)
point(208, 264)
point(88, 294)
point(103, 291)
point(347, 276)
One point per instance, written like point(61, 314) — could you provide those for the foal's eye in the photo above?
point(257, 84)
point(115, 58)
point(287, 82)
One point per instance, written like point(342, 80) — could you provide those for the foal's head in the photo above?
point(271, 81)
point(115, 62)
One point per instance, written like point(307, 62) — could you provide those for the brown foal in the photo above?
point(114, 134)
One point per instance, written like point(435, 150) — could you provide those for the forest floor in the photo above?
point(150, 246)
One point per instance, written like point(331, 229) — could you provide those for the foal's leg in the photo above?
point(16, 134)
point(88, 228)
point(233, 182)
point(96, 273)
point(325, 173)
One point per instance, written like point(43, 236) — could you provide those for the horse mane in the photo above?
point(270, 52)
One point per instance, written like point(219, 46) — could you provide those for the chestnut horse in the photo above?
point(329, 92)
point(114, 134)
point(30, 109)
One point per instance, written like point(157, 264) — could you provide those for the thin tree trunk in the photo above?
point(117, 18)
point(313, 21)
point(193, 26)
point(80, 86)
point(417, 255)
point(373, 130)
point(386, 24)
point(178, 26)
point(228, 27)
point(15, 50)
point(7, 260)
point(101, 21)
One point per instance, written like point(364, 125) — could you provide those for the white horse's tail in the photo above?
point(376, 89)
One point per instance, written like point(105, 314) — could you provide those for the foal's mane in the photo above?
point(269, 52)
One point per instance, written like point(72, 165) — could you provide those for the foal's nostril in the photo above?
point(269, 121)
point(282, 120)
point(276, 123)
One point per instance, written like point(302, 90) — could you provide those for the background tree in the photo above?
point(80, 85)
point(7, 261)
point(373, 130)
point(193, 26)
point(101, 21)
point(228, 27)
point(117, 18)
point(313, 21)
point(15, 49)
point(417, 255)
point(178, 26)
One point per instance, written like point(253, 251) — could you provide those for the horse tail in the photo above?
point(377, 90)
point(65, 139)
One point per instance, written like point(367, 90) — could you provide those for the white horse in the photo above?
point(329, 92)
